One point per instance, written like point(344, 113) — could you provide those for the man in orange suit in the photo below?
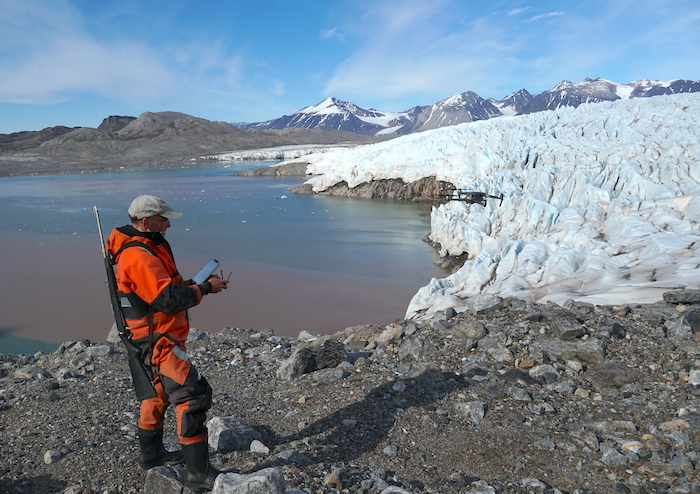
point(154, 299)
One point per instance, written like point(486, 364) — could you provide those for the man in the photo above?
point(154, 299)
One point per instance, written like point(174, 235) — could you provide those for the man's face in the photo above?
point(157, 223)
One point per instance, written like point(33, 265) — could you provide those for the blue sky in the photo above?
point(75, 62)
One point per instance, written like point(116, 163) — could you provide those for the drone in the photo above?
point(471, 197)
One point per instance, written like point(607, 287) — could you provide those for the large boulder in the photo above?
point(589, 352)
point(415, 348)
point(231, 434)
point(311, 356)
point(265, 481)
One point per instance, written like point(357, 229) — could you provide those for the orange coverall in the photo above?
point(153, 294)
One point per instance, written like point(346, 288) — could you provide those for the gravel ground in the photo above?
point(507, 397)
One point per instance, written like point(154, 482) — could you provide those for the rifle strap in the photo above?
point(151, 313)
point(133, 243)
point(150, 335)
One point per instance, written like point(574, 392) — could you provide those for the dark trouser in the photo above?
point(176, 381)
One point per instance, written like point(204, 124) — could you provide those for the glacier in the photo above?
point(601, 202)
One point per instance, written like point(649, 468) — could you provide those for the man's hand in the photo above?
point(217, 284)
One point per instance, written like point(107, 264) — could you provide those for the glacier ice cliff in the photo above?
point(601, 202)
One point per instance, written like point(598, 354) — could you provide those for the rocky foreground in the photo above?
point(507, 397)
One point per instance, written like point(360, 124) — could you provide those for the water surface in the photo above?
point(299, 262)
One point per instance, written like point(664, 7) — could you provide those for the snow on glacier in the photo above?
point(601, 202)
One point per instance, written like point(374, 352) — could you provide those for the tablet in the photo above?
point(206, 271)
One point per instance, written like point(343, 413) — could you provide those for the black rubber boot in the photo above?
point(200, 473)
point(153, 453)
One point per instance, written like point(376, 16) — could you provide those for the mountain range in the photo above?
point(152, 139)
point(333, 114)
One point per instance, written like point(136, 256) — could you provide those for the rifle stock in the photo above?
point(142, 384)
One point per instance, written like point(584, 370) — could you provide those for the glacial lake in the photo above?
point(312, 263)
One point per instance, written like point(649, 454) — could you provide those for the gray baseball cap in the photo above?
point(146, 206)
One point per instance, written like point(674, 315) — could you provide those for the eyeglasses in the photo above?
point(165, 220)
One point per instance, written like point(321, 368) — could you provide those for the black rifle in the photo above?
point(142, 384)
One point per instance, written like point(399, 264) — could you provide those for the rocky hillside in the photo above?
point(506, 397)
point(152, 139)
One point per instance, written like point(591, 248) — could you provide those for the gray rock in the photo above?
point(682, 462)
point(493, 341)
point(231, 434)
point(613, 374)
point(682, 297)
point(470, 328)
point(293, 456)
point(485, 303)
point(658, 469)
point(305, 335)
point(513, 375)
point(564, 388)
point(411, 329)
point(196, 335)
point(52, 456)
point(679, 328)
point(481, 487)
point(612, 425)
point(392, 332)
point(614, 459)
point(355, 358)
point(693, 420)
point(694, 377)
point(258, 447)
point(589, 352)
point(375, 484)
point(567, 328)
point(164, 479)
point(450, 313)
point(679, 440)
point(99, 350)
point(336, 374)
point(519, 394)
point(113, 336)
point(392, 489)
point(390, 450)
point(415, 348)
point(356, 346)
point(310, 356)
point(424, 370)
point(692, 317)
point(470, 343)
point(533, 482)
point(399, 386)
point(31, 372)
point(501, 354)
point(265, 481)
point(617, 331)
point(442, 325)
point(474, 411)
point(544, 373)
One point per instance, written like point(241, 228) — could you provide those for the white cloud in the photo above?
point(418, 47)
point(544, 16)
point(331, 33)
point(518, 11)
point(446, 47)
point(51, 54)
